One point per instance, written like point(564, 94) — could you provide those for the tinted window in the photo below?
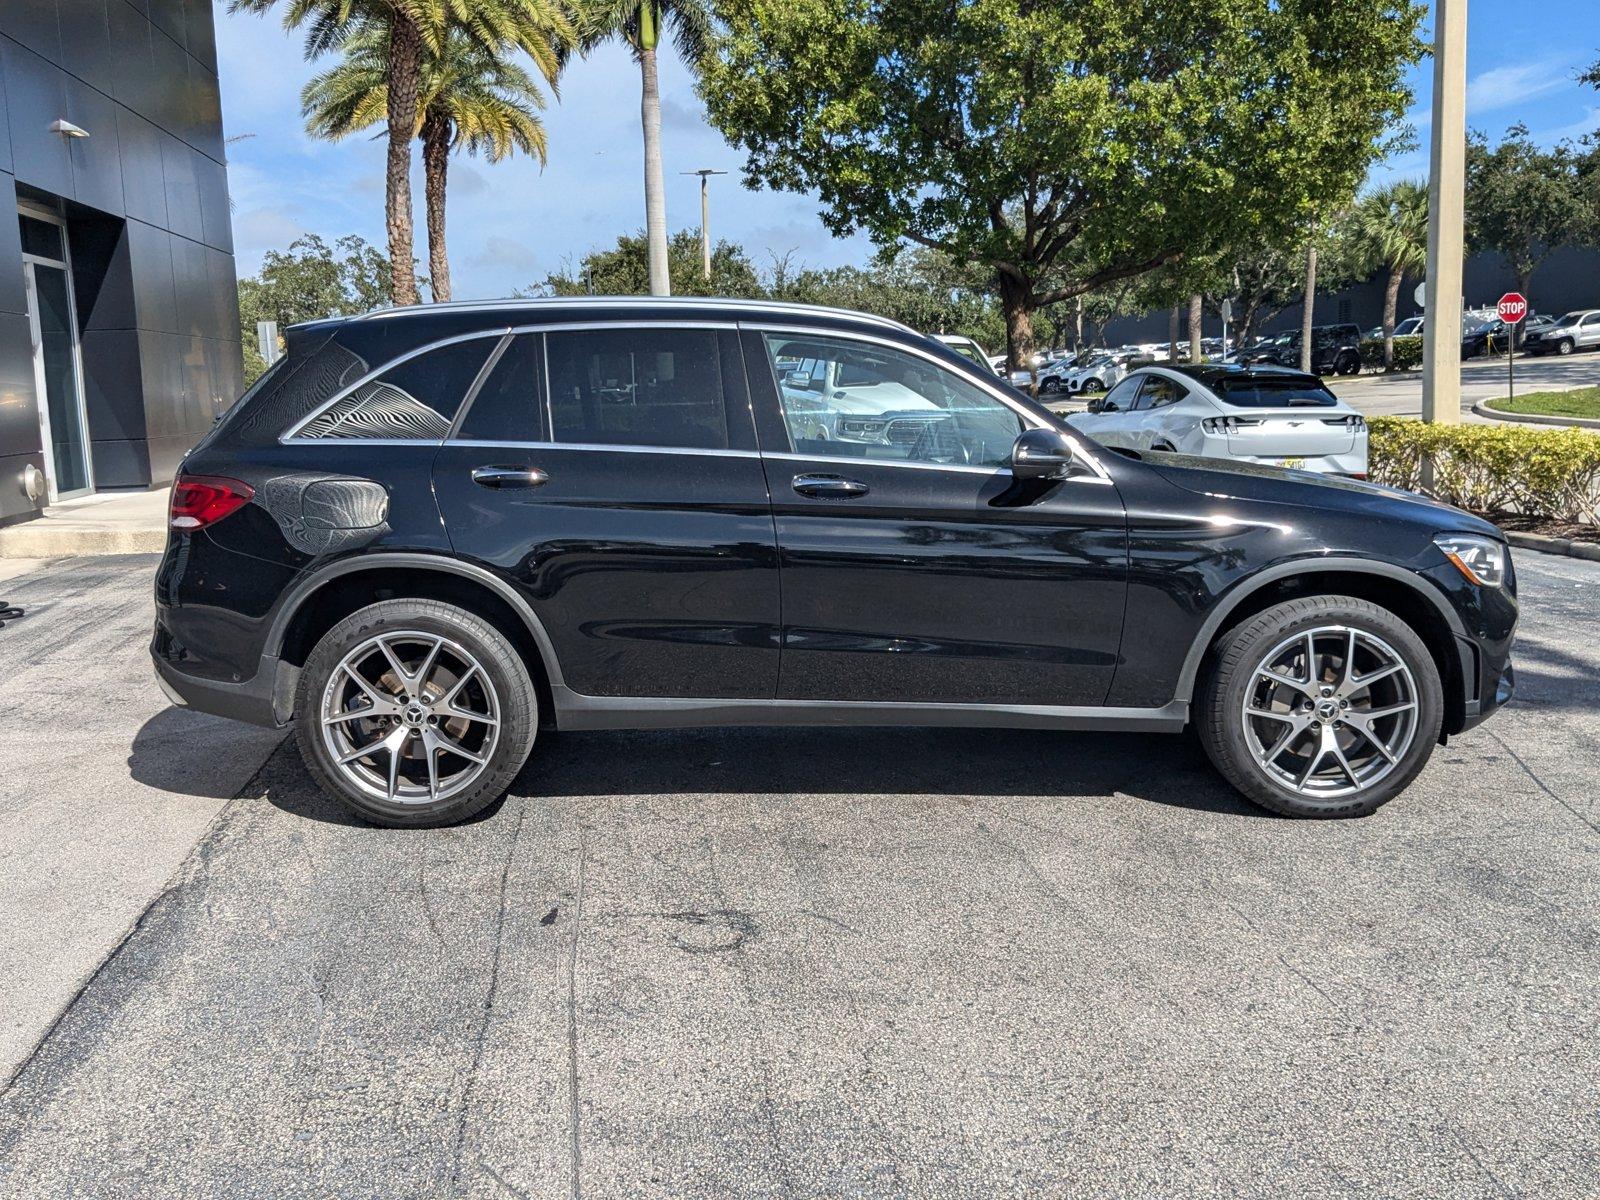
point(637, 387)
point(40, 237)
point(414, 399)
point(864, 400)
point(1274, 393)
point(1122, 397)
point(1159, 391)
point(509, 406)
point(1592, 320)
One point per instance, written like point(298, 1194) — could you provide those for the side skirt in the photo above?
point(577, 711)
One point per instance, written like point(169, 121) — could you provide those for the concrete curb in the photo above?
point(35, 539)
point(1555, 545)
point(1483, 410)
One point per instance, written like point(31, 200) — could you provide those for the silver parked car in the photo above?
point(1578, 330)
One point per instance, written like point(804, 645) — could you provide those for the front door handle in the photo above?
point(509, 477)
point(829, 487)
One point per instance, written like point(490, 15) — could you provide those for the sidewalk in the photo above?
point(111, 523)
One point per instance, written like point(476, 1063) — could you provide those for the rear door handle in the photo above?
point(829, 487)
point(509, 477)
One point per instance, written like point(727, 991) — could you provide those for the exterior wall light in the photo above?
point(67, 129)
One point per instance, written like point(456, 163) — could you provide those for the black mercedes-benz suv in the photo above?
point(428, 533)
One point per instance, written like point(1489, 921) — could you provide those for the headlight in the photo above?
point(1482, 560)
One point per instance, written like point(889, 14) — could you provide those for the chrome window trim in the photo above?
point(689, 303)
point(623, 447)
point(843, 461)
point(292, 436)
point(1029, 419)
point(476, 386)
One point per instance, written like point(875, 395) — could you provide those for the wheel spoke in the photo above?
point(466, 714)
point(1298, 685)
point(430, 748)
point(426, 668)
point(1357, 682)
point(1373, 714)
point(1347, 676)
point(455, 747)
point(1312, 763)
point(1297, 726)
point(1312, 675)
point(448, 699)
point(1333, 745)
point(395, 665)
point(381, 702)
point(1373, 739)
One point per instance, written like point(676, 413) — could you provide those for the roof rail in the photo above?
point(690, 302)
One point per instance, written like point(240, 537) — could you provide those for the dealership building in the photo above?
point(119, 315)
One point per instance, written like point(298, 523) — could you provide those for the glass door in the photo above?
point(53, 325)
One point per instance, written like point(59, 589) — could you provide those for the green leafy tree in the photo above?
point(624, 270)
point(472, 98)
point(1063, 144)
point(417, 28)
point(311, 279)
point(1523, 201)
point(1391, 227)
point(640, 24)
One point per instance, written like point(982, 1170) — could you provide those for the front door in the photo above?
point(53, 327)
point(915, 569)
point(612, 473)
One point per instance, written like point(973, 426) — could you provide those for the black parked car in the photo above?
point(1335, 350)
point(428, 533)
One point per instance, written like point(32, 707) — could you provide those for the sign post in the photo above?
point(1513, 307)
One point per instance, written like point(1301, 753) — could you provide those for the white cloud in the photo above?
point(1517, 83)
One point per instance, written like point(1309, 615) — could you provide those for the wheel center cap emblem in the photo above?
point(1327, 709)
point(414, 715)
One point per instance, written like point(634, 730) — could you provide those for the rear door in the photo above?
point(611, 471)
point(1589, 330)
point(915, 568)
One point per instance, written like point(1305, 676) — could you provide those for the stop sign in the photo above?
point(1512, 308)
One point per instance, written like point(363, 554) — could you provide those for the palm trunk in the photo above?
point(655, 198)
point(1197, 313)
point(1391, 305)
point(435, 175)
point(1308, 310)
point(404, 80)
point(1172, 335)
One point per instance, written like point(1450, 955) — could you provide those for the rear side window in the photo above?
point(1159, 391)
point(414, 400)
point(637, 387)
point(509, 406)
point(1274, 393)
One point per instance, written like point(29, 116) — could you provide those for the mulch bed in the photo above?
point(1521, 523)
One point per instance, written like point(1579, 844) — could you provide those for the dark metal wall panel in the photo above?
point(96, 159)
point(13, 295)
point(35, 24)
point(121, 463)
point(144, 187)
point(20, 443)
point(35, 96)
point(155, 304)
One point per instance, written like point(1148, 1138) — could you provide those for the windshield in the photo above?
point(1408, 326)
point(967, 350)
point(1266, 392)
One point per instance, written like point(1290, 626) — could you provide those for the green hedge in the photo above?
point(1546, 472)
point(1407, 353)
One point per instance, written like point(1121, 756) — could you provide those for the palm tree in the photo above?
point(418, 28)
point(1392, 222)
point(640, 23)
point(471, 98)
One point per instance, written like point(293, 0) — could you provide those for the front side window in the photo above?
point(414, 400)
point(637, 387)
point(850, 399)
point(1122, 397)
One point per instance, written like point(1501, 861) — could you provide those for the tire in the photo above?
point(1092, 386)
point(1050, 386)
point(1350, 364)
point(1360, 777)
point(473, 698)
point(1565, 346)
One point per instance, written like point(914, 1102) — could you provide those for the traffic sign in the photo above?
point(1512, 308)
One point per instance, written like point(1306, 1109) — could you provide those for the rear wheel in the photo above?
point(1091, 386)
point(1050, 386)
point(1323, 707)
point(415, 713)
point(1349, 364)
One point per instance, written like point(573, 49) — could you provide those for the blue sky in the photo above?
point(511, 224)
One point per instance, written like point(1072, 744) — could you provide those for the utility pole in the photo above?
point(705, 174)
point(1441, 334)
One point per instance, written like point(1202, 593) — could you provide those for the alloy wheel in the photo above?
point(410, 718)
point(1330, 711)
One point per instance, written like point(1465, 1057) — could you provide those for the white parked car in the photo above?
point(1089, 375)
point(1252, 414)
point(968, 348)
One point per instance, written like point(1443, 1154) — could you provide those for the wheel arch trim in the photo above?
point(412, 561)
point(1288, 570)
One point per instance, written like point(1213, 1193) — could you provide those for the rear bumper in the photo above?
point(261, 700)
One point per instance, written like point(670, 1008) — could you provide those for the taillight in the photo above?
point(201, 500)
point(1354, 421)
point(1227, 424)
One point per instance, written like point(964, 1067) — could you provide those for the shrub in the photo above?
point(1547, 472)
point(1407, 353)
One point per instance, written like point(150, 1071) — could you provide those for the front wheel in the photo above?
point(1565, 346)
point(1327, 706)
point(415, 713)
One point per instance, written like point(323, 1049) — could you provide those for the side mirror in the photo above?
point(1040, 454)
point(1098, 404)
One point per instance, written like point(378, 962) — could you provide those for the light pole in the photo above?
point(1441, 334)
point(705, 174)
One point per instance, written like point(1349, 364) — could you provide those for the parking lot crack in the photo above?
point(573, 1099)
point(1543, 786)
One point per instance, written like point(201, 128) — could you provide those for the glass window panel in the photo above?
point(637, 387)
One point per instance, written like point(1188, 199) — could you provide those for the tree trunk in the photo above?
point(1391, 307)
point(435, 174)
point(404, 79)
point(1172, 335)
point(1197, 313)
point(1019, 321)
point(1308, 309)
point(655, 198)
point(1525, 290)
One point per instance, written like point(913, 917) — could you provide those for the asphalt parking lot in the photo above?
point(813, 963)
